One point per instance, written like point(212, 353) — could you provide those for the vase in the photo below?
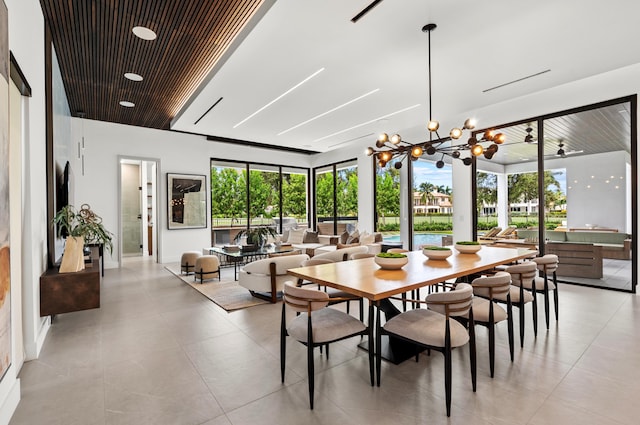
point(73, 255)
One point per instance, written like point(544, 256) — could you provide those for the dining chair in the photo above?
point(317, 325)
point(522, 276)
point(547, 266)
point(486, 312)
point(433, 329)
point(336, 296)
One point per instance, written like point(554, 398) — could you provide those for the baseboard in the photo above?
point(10, 403)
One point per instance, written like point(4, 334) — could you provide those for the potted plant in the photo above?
point(468, 247)
point(79, 227)
point(256, 236)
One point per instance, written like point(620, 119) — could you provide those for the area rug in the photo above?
point(227, 293)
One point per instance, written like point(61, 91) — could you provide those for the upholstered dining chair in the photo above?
point(432, 328)
point(547, 266)
point(317, 325)
point(487, 312)
point(522, 276)
point(336, 296)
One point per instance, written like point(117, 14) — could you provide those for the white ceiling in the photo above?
point(477, 45)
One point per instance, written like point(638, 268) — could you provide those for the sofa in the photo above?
point(615, 245)
point(372, 241)
point(305, 240)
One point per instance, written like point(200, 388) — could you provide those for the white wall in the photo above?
point(177, 153)
point(26, 35)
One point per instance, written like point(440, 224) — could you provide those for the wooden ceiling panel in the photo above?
point(96, 47)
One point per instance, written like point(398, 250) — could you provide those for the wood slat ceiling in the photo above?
point(605, 129)
point(96, 47)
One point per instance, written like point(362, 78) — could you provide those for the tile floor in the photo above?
point(158, 352)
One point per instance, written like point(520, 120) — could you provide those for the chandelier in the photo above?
point(388, 148)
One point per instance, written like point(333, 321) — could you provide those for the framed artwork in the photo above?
point(5, 260)
point(187, 201)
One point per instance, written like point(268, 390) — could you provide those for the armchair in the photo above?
point(265, 278)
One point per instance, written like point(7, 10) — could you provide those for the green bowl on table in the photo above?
point(468, 247)
point(391, 260)
point(436, 252)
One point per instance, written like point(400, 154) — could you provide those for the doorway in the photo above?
point(138, 208)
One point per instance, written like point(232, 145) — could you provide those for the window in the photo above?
point(336, 189)
point(244, 195)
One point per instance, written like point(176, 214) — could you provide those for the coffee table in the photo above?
point(241, 257)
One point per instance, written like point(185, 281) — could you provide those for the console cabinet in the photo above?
point(67, 292)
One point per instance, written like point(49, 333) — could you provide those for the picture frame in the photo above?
point(186, 201)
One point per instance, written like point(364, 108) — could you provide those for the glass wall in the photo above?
point(387, 200)
point(432, 207)
point(244, 195)
point(295, 199)
point(336, 190)
point(566, 181)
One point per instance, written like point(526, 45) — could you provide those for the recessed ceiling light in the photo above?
point(133, 76)
point(280, 97)
point(144, 33)
point(127, 104)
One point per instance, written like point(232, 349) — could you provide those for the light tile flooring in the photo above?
point(158, 352)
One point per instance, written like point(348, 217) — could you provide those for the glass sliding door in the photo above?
point(264, 194)
point(347, 195)
point(569, 181)
point(228, 201)
point(589, 218)
point(325, 195)
point(295, 198)
point(432, 207)
point(387, 201)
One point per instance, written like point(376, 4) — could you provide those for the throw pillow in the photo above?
point(296, 236)
point(346, 245)
point(378, 237)
point(366, 238)
point(343, 237)
point(354, 237)
point(310, 237)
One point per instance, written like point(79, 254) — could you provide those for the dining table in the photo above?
point(367, 279)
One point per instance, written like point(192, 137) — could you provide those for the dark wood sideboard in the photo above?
point(67, 292)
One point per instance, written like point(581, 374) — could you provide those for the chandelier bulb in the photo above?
point(488, 135)
point(385, 156)
point(499, 138)
point(472, 141)
point(440, 164)
point(455, 154)
point(469, 124)
point(455, 133)
point(395, 139)
point(431, 150)
point(467, 161)
point(382, 163)
point(477, 150)
point(433, 125)
point(416, 151)
point(398, 165)
point(369, 151)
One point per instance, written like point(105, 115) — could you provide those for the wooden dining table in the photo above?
point(366, 279)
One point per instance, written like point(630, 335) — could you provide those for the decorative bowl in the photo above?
point(392, 263)
point(467, 247)
point(436, 253)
